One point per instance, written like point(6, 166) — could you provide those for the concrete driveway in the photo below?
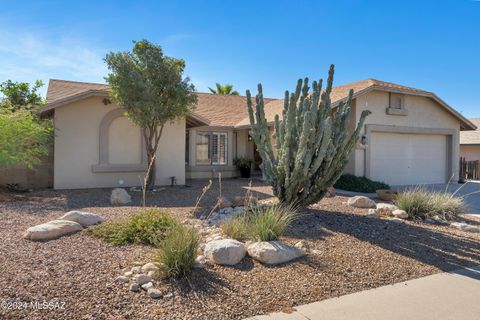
point(470, 191)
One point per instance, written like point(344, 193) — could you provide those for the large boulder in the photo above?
point(273, 252)
point(225, 252)
point(361, 202)
point(84, 218)
point(465, 227)
point(51, 230)
point(386, 209)
point(402, 214)
point(120, 196)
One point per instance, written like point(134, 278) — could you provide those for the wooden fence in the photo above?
point(469, 170)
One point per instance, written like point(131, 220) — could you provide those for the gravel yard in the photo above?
point(355, 253)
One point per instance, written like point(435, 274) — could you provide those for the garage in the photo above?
point(408, 158)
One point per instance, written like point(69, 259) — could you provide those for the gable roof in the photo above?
point(231, 111)
point(471, 137)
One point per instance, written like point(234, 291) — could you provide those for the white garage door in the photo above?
point(401, 159)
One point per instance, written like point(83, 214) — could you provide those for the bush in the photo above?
point(349, 182)
point(236, 228)
point(148, 227)
point(177, 251)
point(422, 203)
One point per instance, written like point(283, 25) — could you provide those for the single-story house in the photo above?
point(411, 137)
point(470, 142)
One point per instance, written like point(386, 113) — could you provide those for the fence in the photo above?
point(469, 170)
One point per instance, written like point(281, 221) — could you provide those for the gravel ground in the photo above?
point(356, 253)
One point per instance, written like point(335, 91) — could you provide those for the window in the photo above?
point(211, 148)
point(396, 101)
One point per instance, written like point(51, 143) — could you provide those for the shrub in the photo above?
point(422, 203)
point(236, 228)
point(148, 227)
point(349, 182)
point(177, 251)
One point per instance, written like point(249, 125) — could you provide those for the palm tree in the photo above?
point(226, 89)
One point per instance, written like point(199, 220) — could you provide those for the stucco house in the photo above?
point(470, 142)
point(411, 137)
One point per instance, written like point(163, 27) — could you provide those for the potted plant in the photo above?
point(244, 165)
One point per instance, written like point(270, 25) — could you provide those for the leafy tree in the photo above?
point(152, 89)
point(20, 95)
point(226, 89)
point(23, 138)
point(312, 141)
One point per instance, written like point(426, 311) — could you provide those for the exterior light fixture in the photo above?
point(364, 140)
point(249, 138)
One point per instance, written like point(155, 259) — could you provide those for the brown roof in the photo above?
point(471, 137)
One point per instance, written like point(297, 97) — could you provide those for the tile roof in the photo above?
point(471, 137)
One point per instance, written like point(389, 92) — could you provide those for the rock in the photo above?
point(149, 267)
point(396, 220)
point(135, 287)
point(154, 293)
point(51, 230)
point(361, 202)
point(238, 210)
point(121, 279)
point(153, 274)
point(138, 263)
point(372, 212)
point(225, 251)
point(147, 286)
point(120, 196)
point(223, 202)
point(316, 252)
point(128, 274)
point(85, 219)
point(330, 192)
point(218, 237)
point(402, 214)
point(142, 278)
point(302, 245)
point(386, 209)
point(136, 269)
point(168, 295)
point(465, 227)
point(226, 211)
point(199, 262)
point(273, 252)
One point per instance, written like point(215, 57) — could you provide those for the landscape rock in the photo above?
point(121, 279)
point(402, 214)
point(128, 274)
point(120, 196)
point(273, 252)
point(85, 219)
point(465, 227)
point(149, 267)
point(136, 269)
point(147, 286)
point(223, 202)
point(135, 287)
point(199, 262)
point(225, 251)
point(302, 245)
point(51, 230)
point(154, 293)
point(385, 209)
point(154, 274)
point(361, 202)
point(141, 279)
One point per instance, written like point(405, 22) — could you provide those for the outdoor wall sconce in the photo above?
point(249, 138)
point(364, 140)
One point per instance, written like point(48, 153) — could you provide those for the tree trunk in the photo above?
point(151, 170)
point(152, 137)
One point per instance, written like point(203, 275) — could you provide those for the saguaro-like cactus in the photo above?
point(311, 141)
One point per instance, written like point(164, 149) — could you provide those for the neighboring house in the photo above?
point(470, 143)
point(411, 137)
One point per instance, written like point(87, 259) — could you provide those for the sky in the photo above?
point(431, 45)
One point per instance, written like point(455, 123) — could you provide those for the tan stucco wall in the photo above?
point(470, 153)
point(77, 128)
point(422, 113)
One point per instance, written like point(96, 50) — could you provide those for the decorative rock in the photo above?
point(217, 238)
point(136, 269)
point(128, 274)
point(225, 251)
point(154, 293)
point(199, 262)
point(396, 220)
point(372, 212)
point(141, 279)
point(83, 218)
point(149, 267)
point(402, 214)
point(153, 274)
point(120, 196)
point(168, 295)
point(361, 202)
point(316, 252)
point(330, 192)
point(273, 252)
point(386, 209)
point(121, 279)
point(223, 202)
point(135, 287)
point(302, 245)
point(147, 286)
point(465, 227)
point(51, 230)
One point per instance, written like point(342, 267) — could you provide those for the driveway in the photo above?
point(470, 191)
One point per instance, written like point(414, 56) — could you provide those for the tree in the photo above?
point(23, 138)
point(152, 89)
point(226, 89)
point(20, 96)
point(312, 141)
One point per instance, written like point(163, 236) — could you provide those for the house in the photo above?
point(470, 142)
point(411, 137)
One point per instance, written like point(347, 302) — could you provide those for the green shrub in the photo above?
point(148, 227)
point(349, 182)
point(177, 251)
point(422, 203)
point(269, 223)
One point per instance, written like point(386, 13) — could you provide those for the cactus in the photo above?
point(311, 141)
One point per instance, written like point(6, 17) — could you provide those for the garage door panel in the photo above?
point(400, 159)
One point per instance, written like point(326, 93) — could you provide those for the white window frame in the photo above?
point(219, 134)
point(210, 148)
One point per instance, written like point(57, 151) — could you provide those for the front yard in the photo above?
point(349, 252)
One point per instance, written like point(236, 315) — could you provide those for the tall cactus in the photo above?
point(311, 141)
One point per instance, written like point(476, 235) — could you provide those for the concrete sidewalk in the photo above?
point(454, 295)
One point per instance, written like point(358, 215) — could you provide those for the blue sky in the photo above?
point(432, 45)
